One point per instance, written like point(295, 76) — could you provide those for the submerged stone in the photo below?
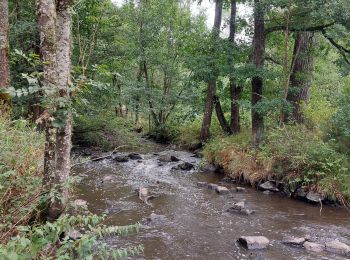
point(254, 242)
point(107, 178)
point(240, 189)
point(202, 184)
point(212, 186)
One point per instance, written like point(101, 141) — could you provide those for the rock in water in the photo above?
point(338, 247)
point(222, 190)
point(314, 197)
point(134, 156)
point(212, 186)
point(240, 189)
point(80, 203)
point(254, 242)
point(120, 158)
point(107, 178)
point(174, 158)
point(202, 184)
point(314, 247)
point(184, 166)
point(294, 241)
point(268, 185)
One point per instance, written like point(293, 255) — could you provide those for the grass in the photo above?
point(21, 172)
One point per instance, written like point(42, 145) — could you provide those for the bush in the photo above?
point(163, 133)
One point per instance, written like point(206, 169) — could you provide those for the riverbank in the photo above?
point(292, 160)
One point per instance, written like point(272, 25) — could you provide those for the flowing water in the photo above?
point(187, 222)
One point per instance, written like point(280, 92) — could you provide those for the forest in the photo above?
point(129, 128)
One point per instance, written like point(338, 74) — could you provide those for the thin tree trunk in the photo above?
point(257, 81)
point(64, 133)
point(48, 46)
point(221, 116)
point(208, 109)
point(4, 55)
point(298, 91)
point(235, 90)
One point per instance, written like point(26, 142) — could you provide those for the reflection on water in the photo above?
point(187, 222)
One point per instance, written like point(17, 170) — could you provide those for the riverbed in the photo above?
point(189, 222)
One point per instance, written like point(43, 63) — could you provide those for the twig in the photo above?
point(321, 207)
point(99, 158)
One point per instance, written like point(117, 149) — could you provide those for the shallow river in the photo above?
point(187, 222)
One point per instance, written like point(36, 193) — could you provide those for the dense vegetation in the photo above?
point(265, 91)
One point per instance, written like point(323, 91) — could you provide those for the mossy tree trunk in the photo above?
point(55, 41)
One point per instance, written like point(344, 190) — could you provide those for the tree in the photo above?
point(55, 37)
point(208, 108)
point(257, 80)
point(235, 89)
point(302, 65)
point(4, 53)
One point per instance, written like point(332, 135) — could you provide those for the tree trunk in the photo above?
point(235, 90)
point(4, 55)
point(48, 47)
point(298, 91)
point(257, 81)
point(208, 109)
point(64, 133)
point(221, 116)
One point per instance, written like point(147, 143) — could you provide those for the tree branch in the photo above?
point(343, 51)
point(294, 28)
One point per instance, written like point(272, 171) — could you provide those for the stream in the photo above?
point(190, 222)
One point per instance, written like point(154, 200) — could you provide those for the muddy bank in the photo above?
point(190, 222)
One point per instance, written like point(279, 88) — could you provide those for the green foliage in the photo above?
point(52, 241)
point(163, 133)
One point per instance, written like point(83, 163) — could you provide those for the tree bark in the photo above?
point(298, 91)
point(257, 81)
point(235, 90)
point(4, 55)
point(48, 47)
point(64, 133)
point(208, 109)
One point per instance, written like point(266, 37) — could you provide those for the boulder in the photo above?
point(107, 178)
point(314, 197)
point(254, 242)
point(185, 166)
point(74, 235)
point(121, 158)
point(240, 189)
point(300, 193)
point(314, 247)
point(294, 241)
point(202, 184)
point(222, 190)
point(207, 167)
point(228, 180)
point(239, 208)
point(198, 153)
point(338, 247)
point(134, 156)
point(268, 185)
point(212, 186)
point(174, 158)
